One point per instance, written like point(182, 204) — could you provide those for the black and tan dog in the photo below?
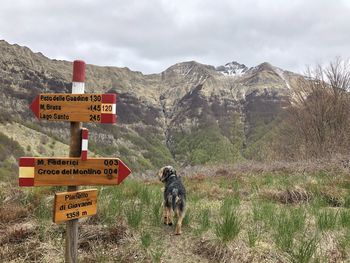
point(174, 197)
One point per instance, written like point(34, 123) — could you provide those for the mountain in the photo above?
point(190, 113)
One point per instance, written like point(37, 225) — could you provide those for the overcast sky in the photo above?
point(151, 35)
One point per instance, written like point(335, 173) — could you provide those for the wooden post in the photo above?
point(78, 87)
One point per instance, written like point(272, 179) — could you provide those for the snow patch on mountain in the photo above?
point(232, 69)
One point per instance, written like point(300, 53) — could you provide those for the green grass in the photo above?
point(133, 214)
point(317, 203)
point(157, 254)
point(9, 147)
point(347, 201)
point(218, 221)
point(253, 233)
point(145, 195)
point(186, 222)
point(156, 215)
point(264, 211)
point(344, 242)
point(110, 205)
point(286, 224)
point(344, 219)
point(203, 220)
point(228, 227)
point(305, 250)
point(229, 203)
point(326, 220)
point(146, 239)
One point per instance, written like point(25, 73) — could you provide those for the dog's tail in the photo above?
point(175, 198)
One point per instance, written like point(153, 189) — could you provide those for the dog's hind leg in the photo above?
point(170, 211)
point(165, 214)
point(180, 215)
point(168, 216)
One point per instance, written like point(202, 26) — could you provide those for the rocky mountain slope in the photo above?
point(188, 114)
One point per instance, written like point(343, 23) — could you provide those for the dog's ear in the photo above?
point(172, 170)
point(161, 174)
point(165, 172)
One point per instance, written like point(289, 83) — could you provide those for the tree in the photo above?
point(318, 123)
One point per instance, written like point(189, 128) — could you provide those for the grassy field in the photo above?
point(233, 215)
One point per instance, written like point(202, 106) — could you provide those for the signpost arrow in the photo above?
point(54, 171)
point(88, 107)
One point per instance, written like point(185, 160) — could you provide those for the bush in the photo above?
point(228, 227)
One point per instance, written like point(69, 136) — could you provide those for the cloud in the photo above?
point(149, 36)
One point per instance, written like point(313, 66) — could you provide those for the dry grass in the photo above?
point(261, 195)
point(90, 234)
point(13, 213)
point(213, 250)
point(290, 196)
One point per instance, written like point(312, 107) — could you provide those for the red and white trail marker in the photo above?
point(78, 83)
point(84, 143)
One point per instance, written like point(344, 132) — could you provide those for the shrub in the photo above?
point(228, 227)
point(229, 203)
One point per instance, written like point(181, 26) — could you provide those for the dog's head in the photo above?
point(165, 172)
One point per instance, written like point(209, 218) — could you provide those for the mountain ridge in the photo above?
point(162, 118)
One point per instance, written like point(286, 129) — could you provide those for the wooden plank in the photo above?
point(88, 107)
point(70, 171)
point(74, 205)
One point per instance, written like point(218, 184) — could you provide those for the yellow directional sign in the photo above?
point(99, 108)
point(74, 205)
point(51, 171)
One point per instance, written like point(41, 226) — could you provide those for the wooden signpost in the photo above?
point(50, 171)
point(73, 205)
point(77, 169)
